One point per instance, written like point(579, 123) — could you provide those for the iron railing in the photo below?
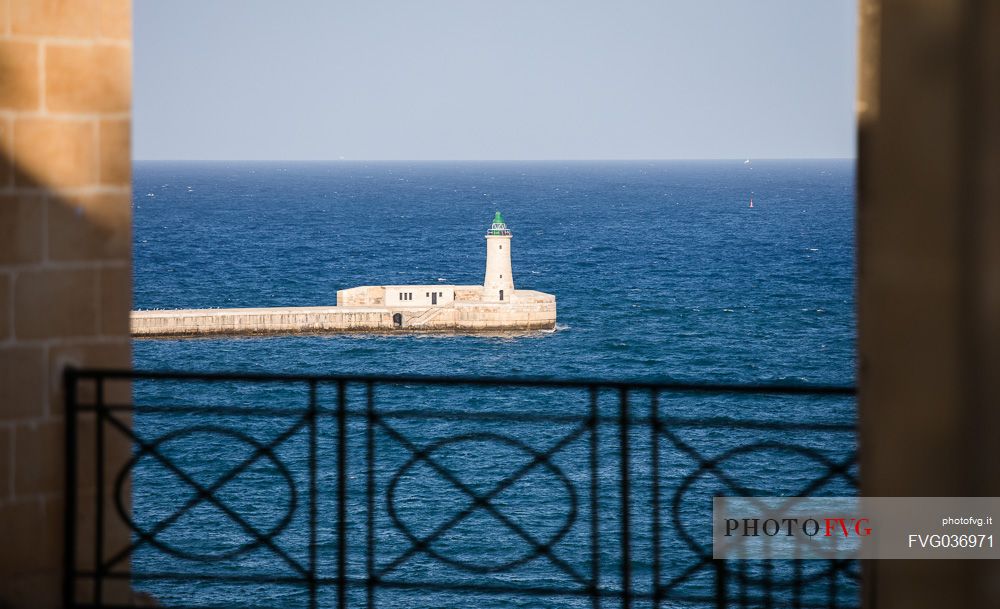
point(588, 503)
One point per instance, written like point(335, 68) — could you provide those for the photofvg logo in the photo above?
point(788, 527)
point(810, 527)
point(854, 527)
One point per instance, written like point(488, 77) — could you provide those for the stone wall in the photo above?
point(235, 322)
point(531, 296)
point(65, 263)
point(468, 293)
point(928, 280)
point(485, 317)
point(363, 296)
point(457, 317)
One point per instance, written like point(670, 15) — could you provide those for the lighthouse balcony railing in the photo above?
point(367, 491)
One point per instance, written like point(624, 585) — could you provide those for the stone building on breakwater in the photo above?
point(493, 307)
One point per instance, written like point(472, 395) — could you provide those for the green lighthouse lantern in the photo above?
point(499, 227)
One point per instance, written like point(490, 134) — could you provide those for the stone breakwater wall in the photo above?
point(458, 317)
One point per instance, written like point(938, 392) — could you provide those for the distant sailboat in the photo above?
point(746, 162)
point(751, 201)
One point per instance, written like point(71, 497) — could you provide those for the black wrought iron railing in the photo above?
point(249, 490)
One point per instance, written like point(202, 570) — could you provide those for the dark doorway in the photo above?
point(397, 320)
point(501, 294)
point(434, 298)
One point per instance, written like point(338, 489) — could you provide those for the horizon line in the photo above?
point(646, 160)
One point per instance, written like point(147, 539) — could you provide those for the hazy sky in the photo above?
point(506, 79)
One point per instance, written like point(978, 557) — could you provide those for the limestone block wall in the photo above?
point(478, 317)
point(65, 265)
point(456, 317)
point(281, 320)
point(531, 296)
point(468, 293)
point(425, 319)
point(505, 317)
point(363, 296)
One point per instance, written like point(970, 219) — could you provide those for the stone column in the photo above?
point(929, 275)
point(65, 262)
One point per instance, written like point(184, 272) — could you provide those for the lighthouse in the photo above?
point(499, 283)
point(491, 307)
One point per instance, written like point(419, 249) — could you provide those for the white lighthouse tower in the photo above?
point(499, 283)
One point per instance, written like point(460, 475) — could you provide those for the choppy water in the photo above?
point(660, 269)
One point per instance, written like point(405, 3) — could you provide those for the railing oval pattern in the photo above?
point(481, 502)
point(204, 493)
point(640, 524)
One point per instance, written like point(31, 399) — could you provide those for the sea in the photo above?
point(662, 272)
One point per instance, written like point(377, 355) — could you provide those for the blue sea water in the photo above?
point(661, 271)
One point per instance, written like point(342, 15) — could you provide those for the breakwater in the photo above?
point(457, 317)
